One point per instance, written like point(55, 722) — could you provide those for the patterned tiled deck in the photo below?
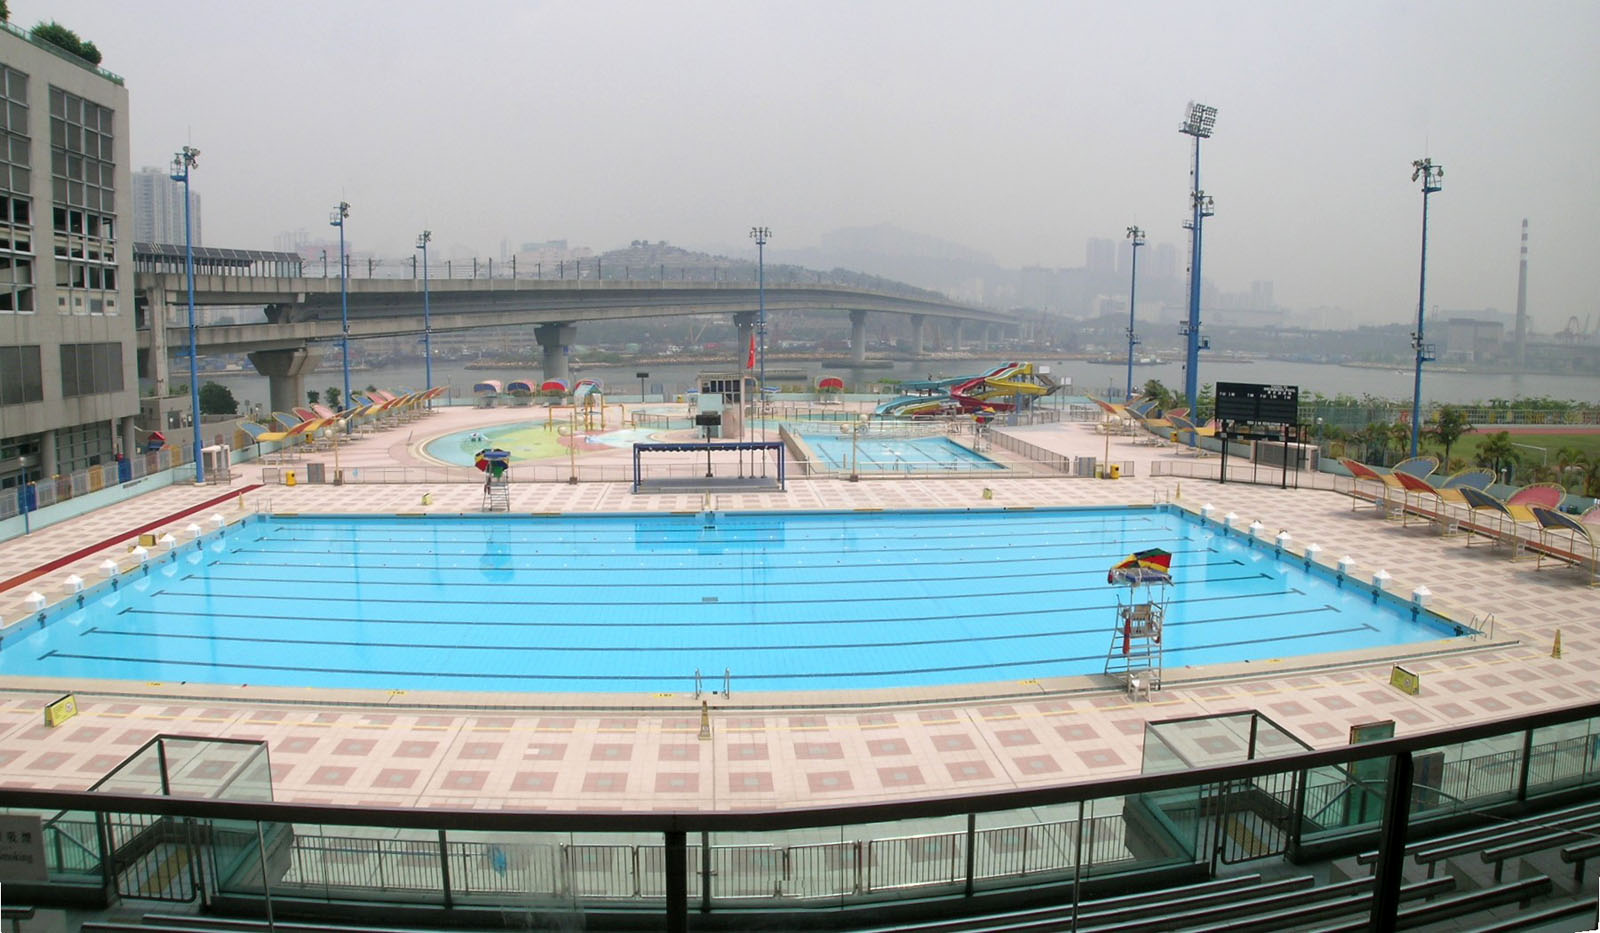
point(771, 751)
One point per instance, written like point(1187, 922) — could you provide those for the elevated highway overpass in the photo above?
point(304, 311)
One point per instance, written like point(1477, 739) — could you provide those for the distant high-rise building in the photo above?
point(1100, 257)
point(1261, 296)
point(1165, 263)
point(158, 208)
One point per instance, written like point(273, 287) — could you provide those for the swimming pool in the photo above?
point(868, 454)
point(638, 603)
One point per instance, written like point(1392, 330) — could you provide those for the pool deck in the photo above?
point(555, 752)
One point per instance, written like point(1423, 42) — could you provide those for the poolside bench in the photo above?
point(1292, 912)
point(1494, 833)
point(1454, 905)
point(1527, 919)
point(1052, 916)
point(1528, 845)
point(1579, 854)
point(1269, 913)
point(18, 914)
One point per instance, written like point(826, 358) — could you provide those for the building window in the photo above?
point(83, 209)
point(20, 378)
point(16, 207)
point(90, 369)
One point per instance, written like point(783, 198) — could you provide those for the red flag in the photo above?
point(751, 362)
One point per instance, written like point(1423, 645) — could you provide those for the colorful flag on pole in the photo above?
point(751, 362)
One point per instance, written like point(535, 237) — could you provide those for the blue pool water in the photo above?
point(638, 603)
point(896, 455)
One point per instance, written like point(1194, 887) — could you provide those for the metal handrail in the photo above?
point(797, 818)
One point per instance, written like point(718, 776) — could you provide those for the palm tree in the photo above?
point(1449, 423)
point(1568, 458)
point(1497, 452)
point(1590, 465)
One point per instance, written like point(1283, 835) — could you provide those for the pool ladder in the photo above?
point(727, 683)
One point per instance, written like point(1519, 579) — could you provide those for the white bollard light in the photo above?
point(1255, 529)
point(1347, 564)
point(1313, 550)
point(1229, 519)
point(192, 529)
point(1206, 510)
point(142, 553)
point(35, 601)
point(216, 520)
point(1420, 595)
point(168, 541)
point(75, 583)
point(1380, 579)
point(1283, 540)
point(108, 567)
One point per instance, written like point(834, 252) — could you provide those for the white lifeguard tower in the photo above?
point(1134, 658)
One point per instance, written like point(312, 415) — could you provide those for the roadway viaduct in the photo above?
point(304, 312)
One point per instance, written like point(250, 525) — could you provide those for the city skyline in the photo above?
point(1020, 130)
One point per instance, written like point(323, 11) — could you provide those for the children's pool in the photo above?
point(636, 604)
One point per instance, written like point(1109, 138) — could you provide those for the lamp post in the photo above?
point(1431, 176)
point(427, 317)
point(1137, 236)
point(1198, 124)
point(341, 212)
point(182, 162)
point(761, 235)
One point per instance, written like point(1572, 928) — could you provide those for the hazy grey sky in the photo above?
point(1017, 128)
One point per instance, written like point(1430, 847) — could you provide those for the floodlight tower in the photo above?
point(1431, 177)
point(761, 235)
point(341, 212)
point(1198, 123)
point(181, 164)
point(423, 239)
point(1137, 236)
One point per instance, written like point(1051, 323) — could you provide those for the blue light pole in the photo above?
point(427, 319)
point(761, 235)
point(1431, 176)
point(1199, 123)
point(182, 162)
point(1137, 236)
point(340, 213)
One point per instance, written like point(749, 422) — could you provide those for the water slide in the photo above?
point(996, 390)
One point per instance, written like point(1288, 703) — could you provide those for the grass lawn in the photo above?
point(1467, 447)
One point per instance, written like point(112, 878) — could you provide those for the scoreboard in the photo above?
point(1251, 403)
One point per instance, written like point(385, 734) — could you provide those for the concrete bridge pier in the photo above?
point(158, 364)
point(286, 376)
point(958, 342)
point(556, 340)
point(858, 337)
point(918, 332)
point(745, 321)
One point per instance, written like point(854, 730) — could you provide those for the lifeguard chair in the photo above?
point(1135, 655)
point(496, 466)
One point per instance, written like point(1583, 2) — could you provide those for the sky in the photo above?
point(1017, 128)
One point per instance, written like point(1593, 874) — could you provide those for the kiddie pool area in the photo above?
point(832, 446)
point(641, 604)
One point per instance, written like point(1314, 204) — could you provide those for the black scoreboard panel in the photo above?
point(1258, 404)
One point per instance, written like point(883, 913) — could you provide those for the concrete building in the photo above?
point(68, 382)
point(158, 208)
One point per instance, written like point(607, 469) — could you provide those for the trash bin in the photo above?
point(1115, 471)
point(288, 478)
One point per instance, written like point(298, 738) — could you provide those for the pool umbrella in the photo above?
point(1152, 565)
point(492, 461)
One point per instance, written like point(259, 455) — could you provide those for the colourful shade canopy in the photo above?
point(492, 461)
point(1151, 565)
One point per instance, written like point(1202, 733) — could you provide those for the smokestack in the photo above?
point(1522, 301)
